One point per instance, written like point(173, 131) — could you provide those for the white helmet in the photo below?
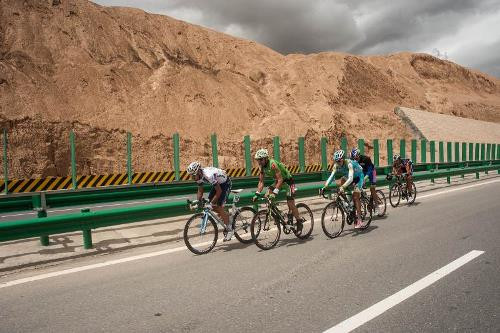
point(193, 168)
point(338, 155)
point(261, 153)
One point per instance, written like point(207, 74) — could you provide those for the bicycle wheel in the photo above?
point(332, 220)
point(366, 214)
point(411, 199)
point(395, 195)
point(199, 239)
point(265, 230)
point(241, 224)
point(306, 214)
point(382, 207)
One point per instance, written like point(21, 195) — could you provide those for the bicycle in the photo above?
point(399, 190)
point(267, 224)
point(202, 228)
point(341, 210)
point(371, 201)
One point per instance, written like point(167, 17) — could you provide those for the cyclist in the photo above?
point(282, 180)
point(369, 171)
point(403, 166)
point(221, 187)
point(351, 173)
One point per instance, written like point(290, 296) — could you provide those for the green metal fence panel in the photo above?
point(423, 151)
point(488, 151)
point(73, 158)
point(324, 159)
point(343, 144)
point(471, 151)
point(464, 151)
point(376, 157)
point(402, 148)
point(361, 146)
point(248, 156)
point(457, 152)
point(276, 148)
point(414, 150)
point(177, 160)
point(483, 151)
point(5, 162)
point(441, 152)
point(129, 157)
point(448, 152)
point(302, 156)
point(494, 151)
point(432, 146)
point(215, 156)
point(476, 150)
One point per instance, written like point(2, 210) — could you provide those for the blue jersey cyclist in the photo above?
point(352, 173)
point(370, 173)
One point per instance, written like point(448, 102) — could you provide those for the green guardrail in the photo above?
point(87, 220)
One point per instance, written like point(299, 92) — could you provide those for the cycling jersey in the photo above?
point(350, 170)
point(288, 184)
point(405, 162)
point(368, 168)
point(212, 176)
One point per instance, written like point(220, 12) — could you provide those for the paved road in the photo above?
point(297, 287)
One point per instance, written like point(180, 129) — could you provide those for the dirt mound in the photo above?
point(72, 64)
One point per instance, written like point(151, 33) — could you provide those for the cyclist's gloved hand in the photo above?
point(271, 196)
point(256, 196)
point(322, 190)
point(341, 189)
point(200, 204)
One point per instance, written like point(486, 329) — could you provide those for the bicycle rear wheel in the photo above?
point(395, 195)
point(332, 220)
point(411, 199)
point(306, 215)
point(200, 238)
point(242, 221)
point(265, 230)
point(382, 207)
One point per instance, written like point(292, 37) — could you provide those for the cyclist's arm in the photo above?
point(279, 179)
point(408, 169)
point(350, 177)
point(260, 186)
point(218, 191)
point(200, 191)
point(395, 171)
point(331, 178)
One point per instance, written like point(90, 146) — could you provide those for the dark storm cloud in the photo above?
point(357, 26)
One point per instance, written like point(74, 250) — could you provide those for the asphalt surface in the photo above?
point(300, 286)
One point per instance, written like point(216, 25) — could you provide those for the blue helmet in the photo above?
point(355, 153)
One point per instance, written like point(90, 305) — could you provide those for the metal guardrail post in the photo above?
point(432, 147)
point(5, 162)
point(302, 156)
point(423, 151)
point(40, 206)
point(129, 157)
point(73, 159)
point(276, 148)
point(389, 152)
point(248, 156)
point(361, 146)
point(324, 158)
point(343, 144)
point(414, 150)
point(86, 233)
point(177, 168)
point(441, 152)
point(215, 157)
point(376, 158)
point(402, 148)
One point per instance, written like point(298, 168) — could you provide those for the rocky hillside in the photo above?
point(74, 65)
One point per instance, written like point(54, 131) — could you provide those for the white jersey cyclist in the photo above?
point(212, 176)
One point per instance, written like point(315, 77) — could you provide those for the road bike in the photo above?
point(202, 229)
point(371, 202)
point(267, 224)
point(399, 190)
point(342, 210)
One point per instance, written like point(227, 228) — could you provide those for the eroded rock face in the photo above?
point(104, 71)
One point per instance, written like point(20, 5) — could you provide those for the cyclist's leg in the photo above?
point(219, 207)
point(290, 199)
point(373, 186)
point(356, 195)
point(409, 179)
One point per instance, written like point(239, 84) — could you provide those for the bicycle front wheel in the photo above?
point(382, 207)
point(395, 195)
point(265, 230)
point(411, 198)
point(332, 220)
point(366, 213)
point(241, 224)
point(200, 235)
point(307, 217)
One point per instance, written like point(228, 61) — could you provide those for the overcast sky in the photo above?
point(465, 31)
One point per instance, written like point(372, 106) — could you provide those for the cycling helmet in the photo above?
point(338, 155)
point(193, 168)
point(261, 153)
point(355, 152)
point(396, 157)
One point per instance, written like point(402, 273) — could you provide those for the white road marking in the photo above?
point(456, 189)
point(93, 266)
point(377, 309)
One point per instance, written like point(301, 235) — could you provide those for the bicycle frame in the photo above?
point(209, 212)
